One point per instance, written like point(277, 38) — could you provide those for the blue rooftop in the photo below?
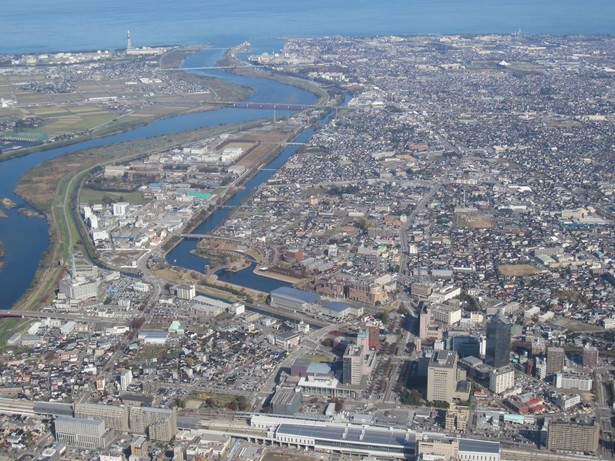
point(298, 294)
point(479, 446)
point(319, 368)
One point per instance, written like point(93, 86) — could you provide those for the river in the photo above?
point(26, 238)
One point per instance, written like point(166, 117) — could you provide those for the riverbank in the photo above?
point(274, 275)
point(55, 181)
point(58, 181)
point(239, 67)
point(215, 89)
point(210, 285)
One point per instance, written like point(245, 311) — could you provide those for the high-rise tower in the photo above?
point(128, 42)
point(498, 341)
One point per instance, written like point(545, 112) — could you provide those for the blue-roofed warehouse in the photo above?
point(291, 298)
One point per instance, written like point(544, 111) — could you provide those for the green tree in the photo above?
point(383, 316)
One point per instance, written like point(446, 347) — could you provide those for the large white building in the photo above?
point(216, 307)
point(82, 433)
point(367, 440)
point(573, 381)
point(125, 379)
point(120, 208)
point(79, 288)
point(501, 380)
point(447, 314)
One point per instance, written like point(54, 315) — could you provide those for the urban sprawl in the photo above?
point(447, 239)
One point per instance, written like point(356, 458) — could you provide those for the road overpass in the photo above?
point(77, 317)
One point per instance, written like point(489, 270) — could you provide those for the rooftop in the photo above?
point(479, 446)
point(370, 437)
point(298, 294)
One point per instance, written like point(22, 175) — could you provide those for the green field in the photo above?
point(11, 325)
point(88, 195)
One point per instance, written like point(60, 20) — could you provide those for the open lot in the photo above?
point(517, 269)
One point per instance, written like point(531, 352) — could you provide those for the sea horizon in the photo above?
point(38, 26)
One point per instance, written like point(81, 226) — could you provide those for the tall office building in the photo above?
point(590, 356)
point(498, 341)
point(556, 358)
point(424, 321)
point(352, 364)
point(125, 379)
point(443, 376)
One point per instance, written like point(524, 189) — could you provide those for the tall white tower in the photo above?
point(128, 42)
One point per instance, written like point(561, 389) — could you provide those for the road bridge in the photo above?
point(264, 105)
point(184, 69)
point(77, 317)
